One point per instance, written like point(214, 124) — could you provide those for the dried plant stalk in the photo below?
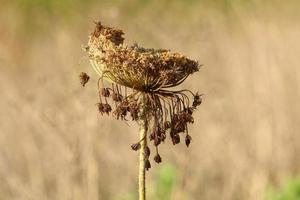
point(148, 74)
point(143, 123)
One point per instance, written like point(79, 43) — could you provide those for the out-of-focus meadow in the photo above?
point(54, 145)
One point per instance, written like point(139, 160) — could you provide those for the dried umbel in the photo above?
point(132, 72)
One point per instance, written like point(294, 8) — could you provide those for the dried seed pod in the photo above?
point(117, 97)
point(163, 135)
point(104, 92)
point(186, 117)
point(101, 108)
point(147, 164)
point(84, 78)
point(179, 126)
point(197, 100)
point(107, 108)
point(175, 139)
point(121, 111)
point(136, 146)
point(188, 140)
point(134, 110)
point(189, 110)
point(167, 125)
point(147, 152)
point(157, 141)
point(152, 136)
point(157, 158)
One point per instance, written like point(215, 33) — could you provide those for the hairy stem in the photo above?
point(143, 137)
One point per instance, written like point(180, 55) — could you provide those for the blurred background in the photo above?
point(54, 144)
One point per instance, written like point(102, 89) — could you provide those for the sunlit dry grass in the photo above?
point(54, 144)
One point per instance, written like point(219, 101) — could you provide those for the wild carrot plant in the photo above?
point(135, 82)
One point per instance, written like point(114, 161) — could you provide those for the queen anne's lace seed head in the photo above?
point(134, 71)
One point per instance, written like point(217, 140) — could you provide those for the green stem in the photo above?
point(143, 137)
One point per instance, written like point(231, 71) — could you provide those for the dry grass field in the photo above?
point(55, 146)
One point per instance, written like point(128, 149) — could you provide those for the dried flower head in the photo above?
point(134, 71)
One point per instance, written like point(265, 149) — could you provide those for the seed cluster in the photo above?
point(133, 72)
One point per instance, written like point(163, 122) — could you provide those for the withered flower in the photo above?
point(141, 80)
point(146, 72)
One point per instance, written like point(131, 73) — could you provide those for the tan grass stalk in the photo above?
point(143, 135)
